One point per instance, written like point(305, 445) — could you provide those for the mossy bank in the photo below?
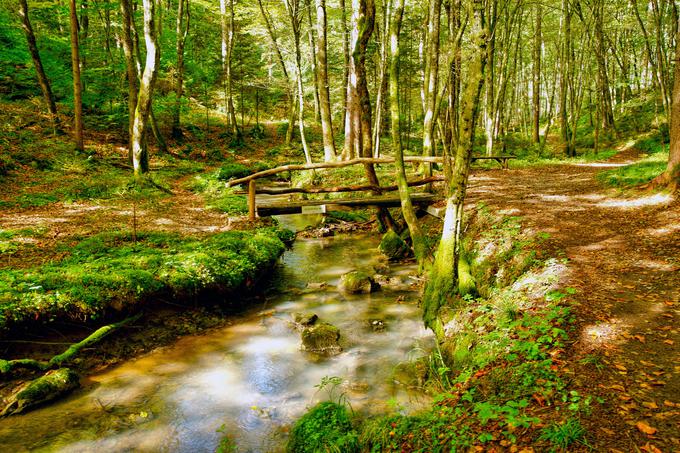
point(111, 275)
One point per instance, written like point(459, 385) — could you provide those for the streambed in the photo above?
point(249, 380)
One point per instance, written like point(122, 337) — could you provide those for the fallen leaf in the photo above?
point(645, 363)
point(645, 428)
point(650, 405)
point(621, 367)
point(640, 338)
point(649, 448)
point(608, 431)
point(670, 342)
point(618, 387)
point(669, 403)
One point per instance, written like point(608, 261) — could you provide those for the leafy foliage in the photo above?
point(325, 428)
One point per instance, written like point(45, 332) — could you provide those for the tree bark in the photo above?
point(536, 92)
point(130, 67)
point(420, 248)
point(443, 279)
point(432, 79)
point(77, 82)
point(43, 81)
point(227, 25)
point(140, 162)
point(290, 86)
point(182, 31)
point(324, 90)
point(294, 13)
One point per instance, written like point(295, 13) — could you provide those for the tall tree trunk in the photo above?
point(671, 176)
point(417, 237)
point(294, 14)
point(565, 66)
point(432, 78)
point(77, 83)
point(315, 71)
point(43, 81)
point(290, 86)
point(604, 93)
point(324, 90)
point(536, 92)
point(140, 162)
point(182, 31)
point(227, 25)
point(490, 95)
point(443, 280)
point(130, 67)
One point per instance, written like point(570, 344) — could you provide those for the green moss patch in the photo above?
point(111, 272)
point(325, 428)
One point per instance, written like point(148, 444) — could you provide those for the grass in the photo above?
point(636, 174)
point(111, 272)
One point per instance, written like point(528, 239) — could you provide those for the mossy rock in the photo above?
point(52, 385)
point(357, 282)
point(394, 247)
point(326, 427)
point(305, 319)
point(321, 338)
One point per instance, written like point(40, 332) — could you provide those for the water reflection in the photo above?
point(251, 377)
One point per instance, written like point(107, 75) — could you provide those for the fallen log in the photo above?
point(7, 366)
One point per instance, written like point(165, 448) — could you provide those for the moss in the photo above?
point(393, 246)
point(466, 282)
point(109, 273)
point(325, 428)
point(322, 338)
point(52, 385)
point(357, 282)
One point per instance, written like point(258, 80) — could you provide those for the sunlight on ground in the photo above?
point(670, 229)
point(604, 164)
point(597, 335)
point(657, 265)
point(652, 200)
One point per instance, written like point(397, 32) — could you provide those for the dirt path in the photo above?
point(624, 260)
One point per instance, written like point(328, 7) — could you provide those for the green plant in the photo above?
point(324, 428)
point(564, 434)
point(227, 443)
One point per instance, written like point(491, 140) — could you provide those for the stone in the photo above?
point(357, 282)
point(321, 338)
point(394, 247)
point(305, 319)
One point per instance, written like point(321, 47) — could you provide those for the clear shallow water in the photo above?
point(250, 378)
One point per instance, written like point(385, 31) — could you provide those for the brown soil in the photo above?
point(623, 255)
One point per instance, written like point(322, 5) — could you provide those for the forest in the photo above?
point(354, 226)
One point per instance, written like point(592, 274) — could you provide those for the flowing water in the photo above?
point(249, 380)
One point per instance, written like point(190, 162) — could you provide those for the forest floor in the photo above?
point(623, 252)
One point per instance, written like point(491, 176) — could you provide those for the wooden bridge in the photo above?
point(265, 208)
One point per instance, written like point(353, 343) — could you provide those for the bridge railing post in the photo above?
point(252, 190)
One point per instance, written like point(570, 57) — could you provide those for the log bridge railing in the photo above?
point(251, 180)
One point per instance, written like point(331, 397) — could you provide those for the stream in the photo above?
point(249, 380)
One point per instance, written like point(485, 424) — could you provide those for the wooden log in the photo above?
point(340, 164)
point(252, 191)
point(296, 207)
point(312, 190)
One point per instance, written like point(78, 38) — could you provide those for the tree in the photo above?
point(417, 237)
point(443, 278)
point(295, 16)
point(431, 80)
point(43, 81)
point(77, 82)
point(140, 124)
point(182, 31)
point(322, 77)
point(227, 23)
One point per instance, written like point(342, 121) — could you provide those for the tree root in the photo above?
point(7, 366)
